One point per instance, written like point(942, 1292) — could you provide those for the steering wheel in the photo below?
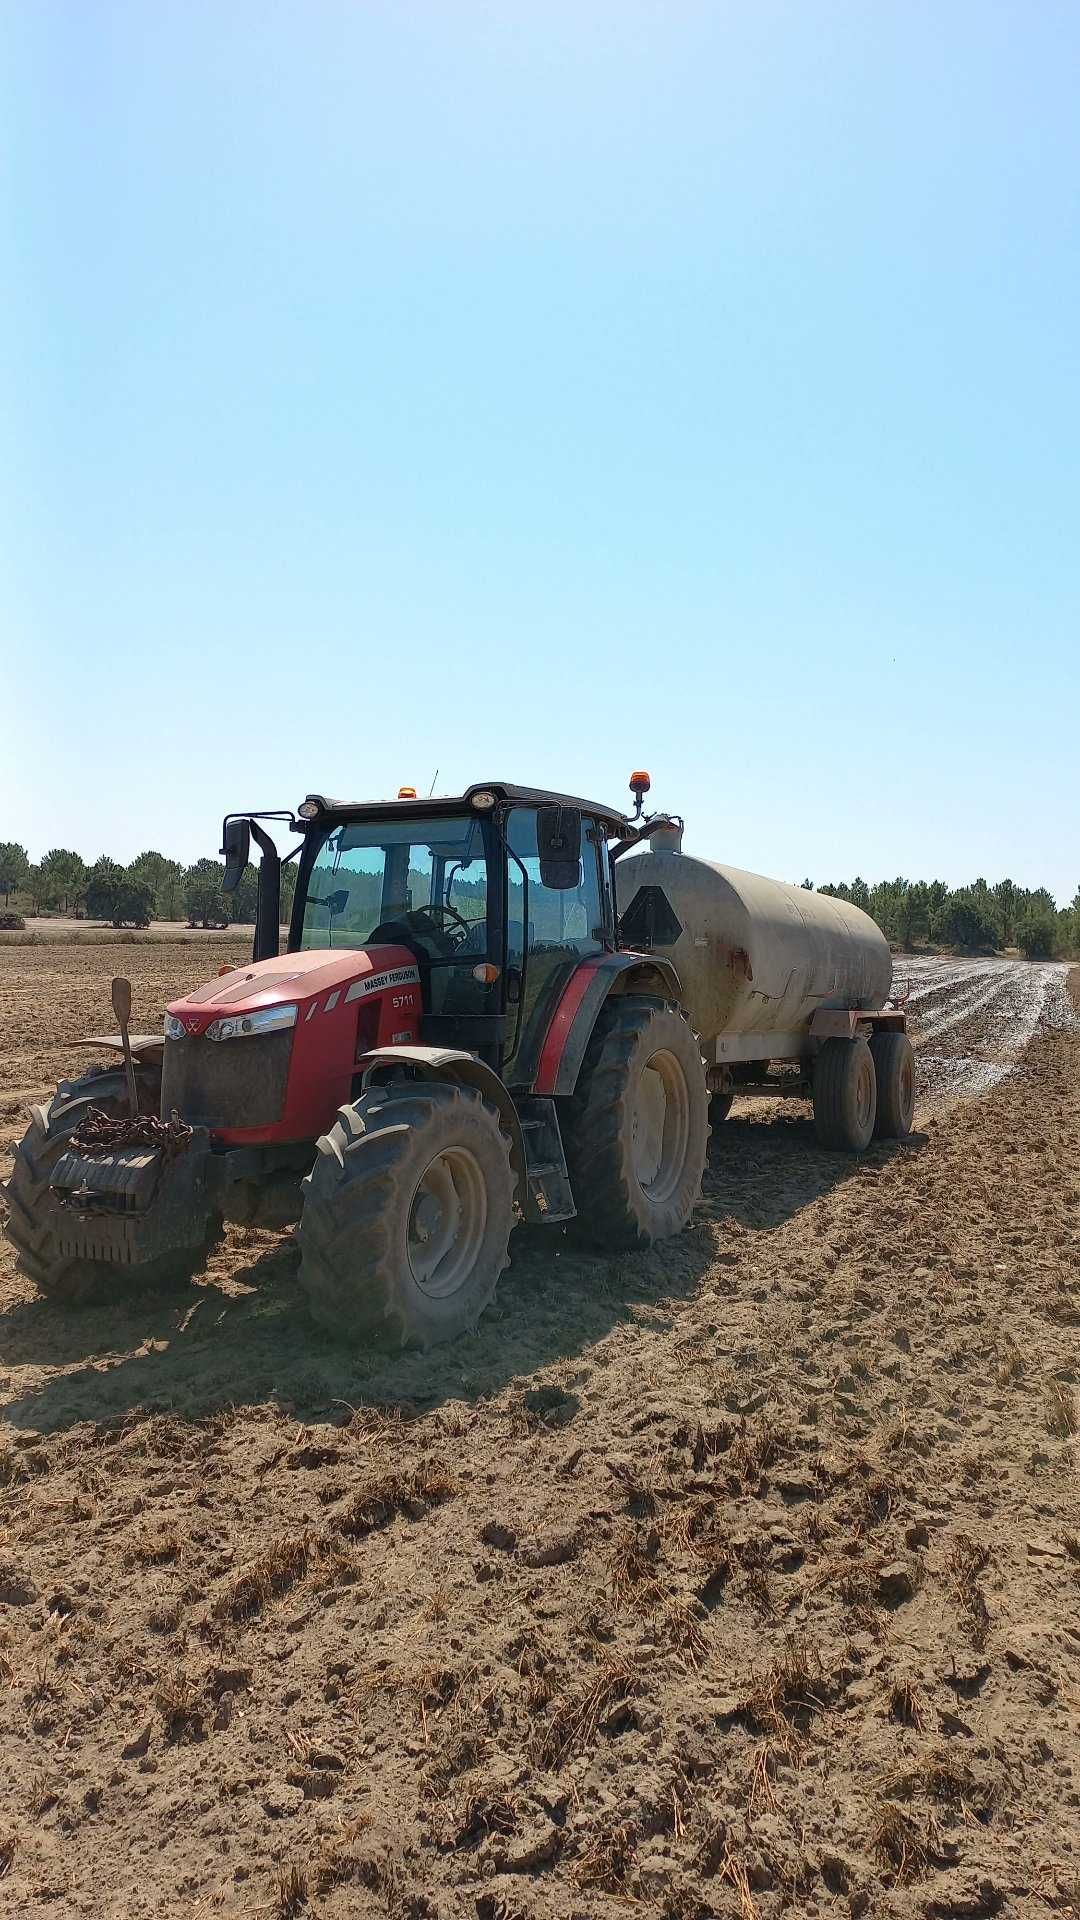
point(451, 924)
point(443, 926)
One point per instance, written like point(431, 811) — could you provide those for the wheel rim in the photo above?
point(661, 1126)
point(446, 1222)
point(864, 1094)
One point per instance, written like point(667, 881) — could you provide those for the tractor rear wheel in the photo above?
point(636, 1128)
point(407, 1215)
point(845, 1095)
point(31, 1215)
point(894, 1064)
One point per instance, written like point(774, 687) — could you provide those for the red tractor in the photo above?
point(454, 1041)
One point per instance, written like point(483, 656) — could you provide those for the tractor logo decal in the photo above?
point(376, 982)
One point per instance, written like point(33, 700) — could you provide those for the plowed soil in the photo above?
point(741, 1577)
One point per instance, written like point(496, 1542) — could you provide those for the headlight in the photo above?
point(174, 1028)
point(482, 801)
point(235, 1025)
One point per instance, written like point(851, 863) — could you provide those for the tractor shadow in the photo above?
point(239, 1336)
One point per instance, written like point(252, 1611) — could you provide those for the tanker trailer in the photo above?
point(776, 973)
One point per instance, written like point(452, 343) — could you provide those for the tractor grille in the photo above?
point(231, 1084)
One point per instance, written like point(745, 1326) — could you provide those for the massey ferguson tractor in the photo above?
point(460, 1036)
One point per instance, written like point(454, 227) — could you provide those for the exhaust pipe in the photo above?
point(268, 901)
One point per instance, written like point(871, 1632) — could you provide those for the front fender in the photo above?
point(453, 1065)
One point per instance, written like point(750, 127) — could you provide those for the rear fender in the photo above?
point(458, 1068)
point(571, 1025)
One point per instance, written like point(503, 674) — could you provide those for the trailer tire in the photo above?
point(845, 1095)
point(30, 1226)
point(635, 1150)
point(406, 1174)
point(894, 1065)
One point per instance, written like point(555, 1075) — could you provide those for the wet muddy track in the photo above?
point(972, 1019)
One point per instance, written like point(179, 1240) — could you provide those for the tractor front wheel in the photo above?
point(407, 1215)
point(636, 1128)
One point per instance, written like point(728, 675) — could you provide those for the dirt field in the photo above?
point(738, 1578)
point(55, 930)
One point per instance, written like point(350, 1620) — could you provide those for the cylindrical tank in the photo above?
point(756, 957)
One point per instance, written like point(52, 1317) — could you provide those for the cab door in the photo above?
point(547, 937)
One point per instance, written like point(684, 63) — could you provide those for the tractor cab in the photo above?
point(498, 895)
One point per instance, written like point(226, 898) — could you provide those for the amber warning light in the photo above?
point(406, 793)
point(639, 787)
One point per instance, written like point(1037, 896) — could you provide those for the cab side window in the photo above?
point(568, 919)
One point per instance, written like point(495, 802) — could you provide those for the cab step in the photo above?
point(549, 1196)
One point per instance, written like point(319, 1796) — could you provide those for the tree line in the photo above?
point(151, 887)
point(909, 912)
point(917, 912)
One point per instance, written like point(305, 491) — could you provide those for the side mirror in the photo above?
point(336, 902)
point(558, 843)
point(236, 849)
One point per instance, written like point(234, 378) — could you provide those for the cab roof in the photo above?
point(443, 803)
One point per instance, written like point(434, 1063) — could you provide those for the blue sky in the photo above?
point(538, 392)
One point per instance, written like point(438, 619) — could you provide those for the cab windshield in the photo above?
point(421, 881)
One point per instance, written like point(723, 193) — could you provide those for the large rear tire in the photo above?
point(407, 1215)
point(31, 1220)
point(845, 1095)
point(894, 1065)
point(636, 1128)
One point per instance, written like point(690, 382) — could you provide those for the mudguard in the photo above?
point(571, 1025)
point(452, 1064)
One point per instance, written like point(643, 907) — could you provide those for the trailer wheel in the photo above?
point(636, 1128)
point(30, 1217)
point(407, 1215)
point(845, 1095)
point(894, 1065)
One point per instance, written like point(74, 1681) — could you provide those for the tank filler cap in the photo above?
point(668, 838)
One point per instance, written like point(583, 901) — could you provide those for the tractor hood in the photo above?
point(256, 1080)
point(317, 979)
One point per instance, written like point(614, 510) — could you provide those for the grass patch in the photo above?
point(967, 1561)
point(907, 1703)
point(943, 1777)
point(577, 1719)
point(290, 1892)
point(1059, 1409)
point(782, 1702)
point(158, 1549)
point(606, 1863)
point(279, 1567)
point(383, 1496)
point(898, 1842)
point(179, 1702)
